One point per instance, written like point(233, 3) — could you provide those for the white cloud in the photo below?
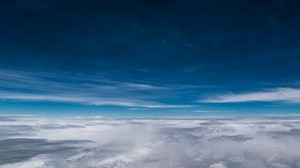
point(209, 111)
point(86, 99)
point(217, 165)
point(82, 89)
point(289, 95)
point(143, 86)
point(150, 143)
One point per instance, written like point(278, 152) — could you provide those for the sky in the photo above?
point(149, 58)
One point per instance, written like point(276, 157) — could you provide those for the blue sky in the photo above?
point(149, 58)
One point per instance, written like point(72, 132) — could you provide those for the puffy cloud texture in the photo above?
point(96, 142)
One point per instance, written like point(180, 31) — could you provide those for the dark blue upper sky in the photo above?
point(149, 57)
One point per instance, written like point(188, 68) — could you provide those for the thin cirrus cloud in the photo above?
point(87, 90)
point(87, 100)
point(61, 80)
point(209, 111)
point(286, 95)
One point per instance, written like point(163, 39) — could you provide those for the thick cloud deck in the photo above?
point(95, 142)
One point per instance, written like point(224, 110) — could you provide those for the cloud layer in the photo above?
point(96, 142)
point(289, 95)
point(89, 89)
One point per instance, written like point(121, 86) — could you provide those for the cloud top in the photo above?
point(150, 143)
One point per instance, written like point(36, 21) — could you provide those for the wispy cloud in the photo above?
point(143, 86)
point(209, 111)
point(86, 99)
point(89, 89)
point(289, 95)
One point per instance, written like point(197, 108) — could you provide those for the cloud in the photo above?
point(20, 149)
point(150, 143)
point(217, 165)
point(143, 86)
point(209, 111)
point(288, 95)
point(97, 89)
point(86, 99)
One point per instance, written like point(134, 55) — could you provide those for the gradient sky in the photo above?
point(141, 58)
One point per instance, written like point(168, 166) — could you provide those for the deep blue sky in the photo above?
point(149, 57)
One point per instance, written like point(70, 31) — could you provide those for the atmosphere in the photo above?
point(149, 83)
point(149, 58)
